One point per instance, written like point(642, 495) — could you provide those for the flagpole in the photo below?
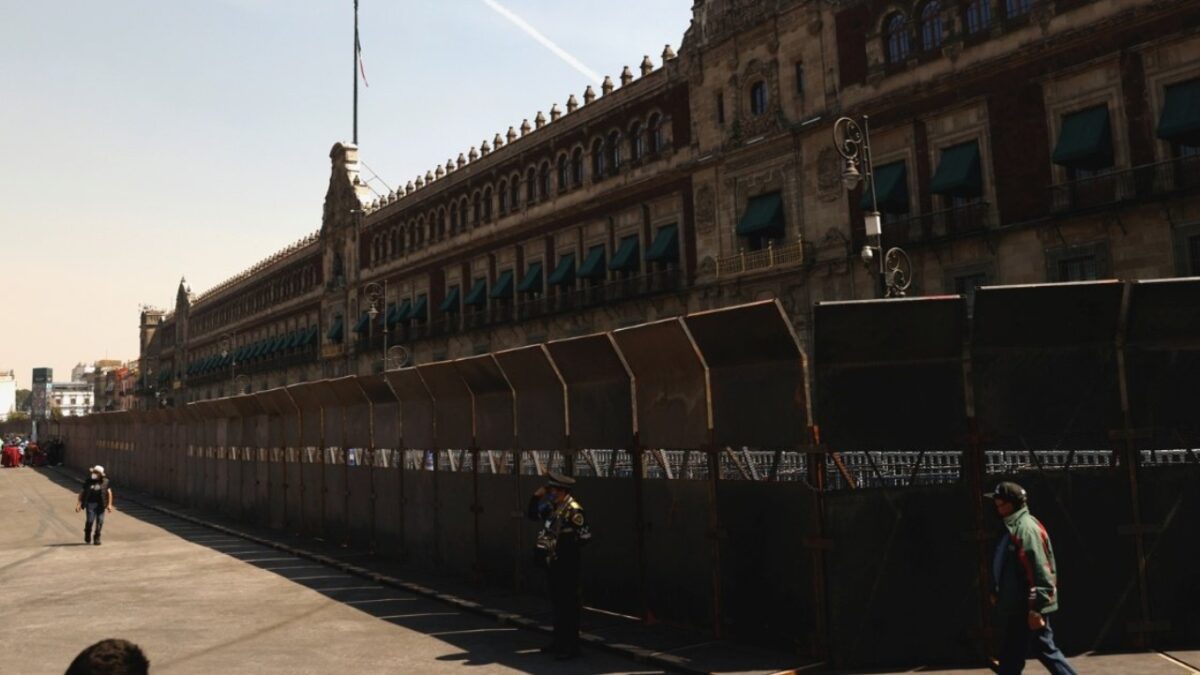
point(355, 73)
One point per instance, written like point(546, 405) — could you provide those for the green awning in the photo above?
point(364, 320)
point(891, 189)
point(626, 257)
point(309, 336)
point(420, 310)
point(405, 312)
point(1085, 141)
point(297, 338)
point(393, 314)
point(1180, 119)
point(958, 173)
point(763, 217)
point(564, 274)
point(503, 287)
point(450, 303)
point(532, 281)
point(593, 264)
point(665, 245)
point(478, 294)
point(335, 331)
point(239, 353)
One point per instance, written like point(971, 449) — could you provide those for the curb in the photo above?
point(632, 652)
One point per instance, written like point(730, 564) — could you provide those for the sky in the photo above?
point(148, 140)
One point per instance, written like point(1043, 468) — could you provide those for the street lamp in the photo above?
point(376, 299)
point(227, 347)
point(241, 384)
point(853, 143)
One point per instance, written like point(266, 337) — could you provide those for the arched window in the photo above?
point(463, 208)
point(530, 185)
point(979, 15)
point(758, 98)
point(896, 38)
point(503, 193)
point(487, 204)
point(544, 181)
point(931, 25)
point(637, 144)
point(654, 130)
point(613, 148)
point(597, 159)
point(563, 166)
point(453, 220)
point(1015, 8)
point(514, 192)
point(477, 212)
point(577, 167)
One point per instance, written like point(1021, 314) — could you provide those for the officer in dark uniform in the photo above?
point(564, 532)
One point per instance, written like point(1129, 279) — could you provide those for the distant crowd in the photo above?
point(19, 451)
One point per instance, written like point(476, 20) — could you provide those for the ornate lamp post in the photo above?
point(853, 143)
point(241, 384)
point(376, 299)
point(226, 348)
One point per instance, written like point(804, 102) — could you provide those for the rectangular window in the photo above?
point(1193, 247)
point(800, 79)
point(721, 109)
point(966, 285)
point(1080, 268)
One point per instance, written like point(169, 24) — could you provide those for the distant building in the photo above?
point(72, 399)
point(114, 388)
point(8, 394)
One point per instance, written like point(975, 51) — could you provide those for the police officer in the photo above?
point(564, 532)
point(97, 497)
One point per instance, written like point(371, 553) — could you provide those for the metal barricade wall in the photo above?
point(454, 499)
point(418, 522)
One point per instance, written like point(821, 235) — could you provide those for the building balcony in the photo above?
point(1111, 188)
point(771, 257)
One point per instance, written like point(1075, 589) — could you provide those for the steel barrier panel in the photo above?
point(599, 392)
point(758, 376)
point(1043, 360)
point(376, 389)
point(1163, 361)
point(293, 496)
point(499, 509)
point(313, 494)
point(670, 383)
point(1172, 506)
point(282, 433)
point(456, 523)
point(890, 373)
point(679, 568)
point(385, 484)
point(492, 402)
point(540, 398)
point(421, 540)
point(892, 551)
point(769, 561)
point(336, 481)
point(531, 577)
point(357, 427)
point(452, 405)
point(611, 575)
point(416, 408)
point(385, 425)
point(358, 506)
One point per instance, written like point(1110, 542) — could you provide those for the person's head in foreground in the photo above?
point(110, 657)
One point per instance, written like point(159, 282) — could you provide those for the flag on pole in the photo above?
point(358, 50)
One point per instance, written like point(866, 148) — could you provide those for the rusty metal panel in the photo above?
point(492, 401)
point(540, 398)
point(385, 484)
point(890, 373)
point(599, 392)
point(292, 497)
point(452, 404)
point(1163, 361)
point(501, 509)
point(456, 523)
point(385, 425)
point(312, 499)
point(376, 389)
point(758, 375)
point(1172, 506)
point(670, 382)
point(416, 408)
point(1043, 361)
point(247, 405)
point(336, 497)
point(679, 556)
point(359, 520)
point(611, 576)
point(421, 526)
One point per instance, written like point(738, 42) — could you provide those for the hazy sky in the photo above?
point(145, 140)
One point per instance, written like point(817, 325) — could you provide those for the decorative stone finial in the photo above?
point(540, 120)
point(484, 148)
point(512, 133)
point(462, 159)
point(449, 166)
point(555, 112)
point(668, 53)
point(440, 171)
point(408, 189)
point(589, 95)
point(498, 141)
point(647, 65)
point(606, 87)
point(525, 128)
point(572, 104)
point(626, 76)
point(420, 182)
point(473, 154)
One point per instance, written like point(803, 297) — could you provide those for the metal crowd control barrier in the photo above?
point(695, 454)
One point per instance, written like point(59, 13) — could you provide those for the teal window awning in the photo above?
point(532, 281)
point(891, 189)
point(626, 257)
point(336, 329)
point(309, 337)
point(593, 264)
point(393, 314)
point(1180, 119)
point(364, 320)
point(1085, 141)
point(958, 174)
point(297, 337)
point(763, 217)
point(420, 310)
point(450, 302)
point(478, 293)
point(504, 285)
point(564, 273)
point(665, 246)
point(405, 312)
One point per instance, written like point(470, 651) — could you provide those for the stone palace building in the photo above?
point(1014, 142)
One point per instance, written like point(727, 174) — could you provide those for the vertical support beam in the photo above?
point(817, 545)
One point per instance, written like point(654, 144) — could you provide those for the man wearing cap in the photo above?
point(97, 498)
point(1024, 584)
point(564, 532)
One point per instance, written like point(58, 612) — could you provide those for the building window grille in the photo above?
point(654, 129)
point(597, 159)
point(1079, 268)
point(544, 181)
point(720, 108)
point(931, 26)
point(563, 168)
point(637, 144)
point(577, 167)
point(503, 194)
point(758, 98)
point(613, 150)
point(530, 186)
point(896, 38)
point(799, 79)
point(979, 15)
point(1016, 8)
point(514, 194)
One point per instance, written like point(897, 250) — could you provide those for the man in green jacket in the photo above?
point(1025, 584)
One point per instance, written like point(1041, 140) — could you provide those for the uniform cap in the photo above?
point(1009, 492)
point(98, 469)
point(560, 481)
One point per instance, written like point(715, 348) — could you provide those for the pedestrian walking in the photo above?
point(97, 497)
point(563, 534)
point(110, 657)
point(1024, 584)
